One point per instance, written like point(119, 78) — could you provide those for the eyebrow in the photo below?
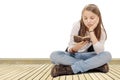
point(90, 16)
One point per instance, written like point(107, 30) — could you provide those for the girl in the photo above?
point(83, 54)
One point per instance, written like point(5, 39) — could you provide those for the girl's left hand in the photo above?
point(91, 28)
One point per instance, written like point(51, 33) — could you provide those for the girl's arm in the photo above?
point(98, 45)
point(73, 46)
point(77, 46)
point(93, 37)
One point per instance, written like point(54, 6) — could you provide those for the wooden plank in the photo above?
point(87, 76)
point(114, 75)
point(93, 76)
point(81, 76)
point(99, 76)
point(108, 77)
point(75, 77)
point(38, 72)
point(5, 69)
point(69, 77)
point(30, 73)
point(17, 72)
point(19, 69)
point(12, 70)
point(62, 77)
point(56, 78)
point(46, 74)
point(115, 68)
point(49, 78)
point(41, 74)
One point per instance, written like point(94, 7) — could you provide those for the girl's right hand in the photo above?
point(78, 46)
point(71, 50)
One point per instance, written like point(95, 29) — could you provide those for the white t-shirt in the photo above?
point(98, 47)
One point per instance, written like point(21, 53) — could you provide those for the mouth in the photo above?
point(89, 25)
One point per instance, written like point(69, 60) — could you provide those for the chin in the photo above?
point(88, 27)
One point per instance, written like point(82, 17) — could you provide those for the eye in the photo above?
point(85, 18)
point(92, 17)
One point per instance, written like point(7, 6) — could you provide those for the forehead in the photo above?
point(88, 13)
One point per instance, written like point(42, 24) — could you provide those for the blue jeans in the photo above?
point(80, 62)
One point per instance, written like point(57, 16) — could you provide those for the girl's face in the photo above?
point(89, 18)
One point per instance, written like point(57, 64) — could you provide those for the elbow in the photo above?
point(99, 50)
point(98, 47)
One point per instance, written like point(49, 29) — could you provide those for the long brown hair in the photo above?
point(93, 8)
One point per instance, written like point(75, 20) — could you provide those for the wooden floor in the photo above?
point(42, 72)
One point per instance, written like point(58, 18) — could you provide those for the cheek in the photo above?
point(85, 22)
point(96, 20)
point(93, 21)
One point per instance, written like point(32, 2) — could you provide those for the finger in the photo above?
point(82, 42)
point(70, 50)
point(85, 42)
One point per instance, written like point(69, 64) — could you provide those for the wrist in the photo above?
point(91, 31)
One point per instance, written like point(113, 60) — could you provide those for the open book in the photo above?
point(80, 38)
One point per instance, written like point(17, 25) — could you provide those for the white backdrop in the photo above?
point(35, 28)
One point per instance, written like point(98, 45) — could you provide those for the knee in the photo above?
point(108, 55)
point(56, 54)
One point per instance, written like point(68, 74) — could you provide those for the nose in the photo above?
point(88, 20)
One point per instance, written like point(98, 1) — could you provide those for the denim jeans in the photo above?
point(80, 62)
